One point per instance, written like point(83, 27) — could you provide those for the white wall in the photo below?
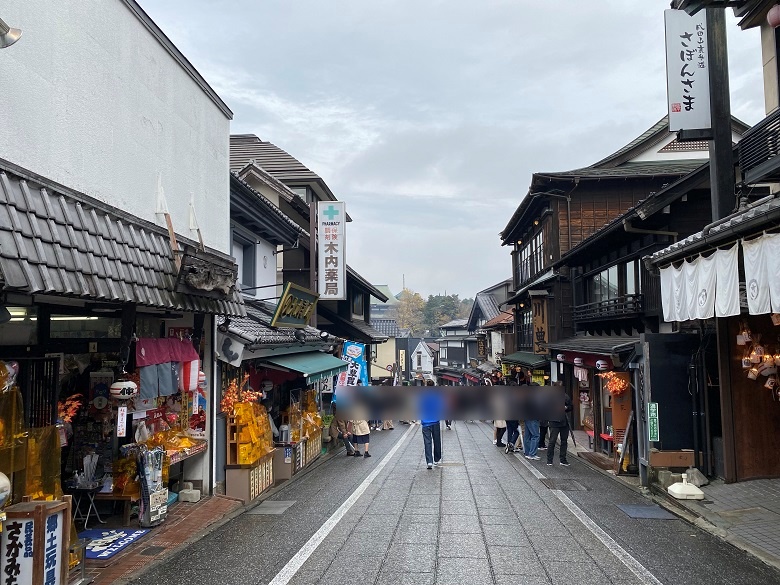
point(92, 100)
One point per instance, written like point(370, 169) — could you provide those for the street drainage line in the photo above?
point(622, 554)
point(296, 562)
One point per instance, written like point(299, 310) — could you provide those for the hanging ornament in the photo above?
point(752, 373)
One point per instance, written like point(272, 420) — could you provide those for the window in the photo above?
point(530, 259)
point(244, 253)
point(631, 274)
point(357, 303)
point(302, 192)
point(443, 353)
point(525, 337)
point(419, 359)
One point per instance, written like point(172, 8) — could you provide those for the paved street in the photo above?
point(482, 517)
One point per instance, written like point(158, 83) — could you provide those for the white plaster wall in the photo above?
point(496, 345)
point(90, 99)
point(652, 154)
point(265, 270)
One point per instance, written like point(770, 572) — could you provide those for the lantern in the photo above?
point(602, 365)
point(752, 373)
point(777, 358)
point(578, 361)
point(773, 16)
point(123, 389)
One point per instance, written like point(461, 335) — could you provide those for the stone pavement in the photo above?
point(747, 513)
point(481, 517)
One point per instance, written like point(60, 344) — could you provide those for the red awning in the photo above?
point(471, 378)
point(450, 378)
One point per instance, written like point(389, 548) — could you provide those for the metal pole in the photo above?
point(722, 197)
point(721, 151)
point(313, 254)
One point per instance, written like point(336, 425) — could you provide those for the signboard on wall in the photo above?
point(653, 431)
point(482, 346)
point(687, 70)
point(541, 331)
point(331, 251)
point(357, 370)
point(295, 307)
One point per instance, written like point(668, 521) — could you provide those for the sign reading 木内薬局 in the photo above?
point(687, 70)
point(295, 308)
point(331, 251)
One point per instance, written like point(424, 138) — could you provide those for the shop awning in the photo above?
point(606, 345)
point(525, 358)
point(547, 276)
point(314, 365)
point(55, 241)
point(449, 378)
point(353, 329)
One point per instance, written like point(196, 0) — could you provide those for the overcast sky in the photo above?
point(428, 117)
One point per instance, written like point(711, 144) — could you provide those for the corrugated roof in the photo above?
point(488, 305)
point(505, 318)
point(352, 329)
point(56, 241)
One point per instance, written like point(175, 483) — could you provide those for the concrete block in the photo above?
point(665, 478)
point(189, 496)
point(696, 477)
point(186, 485)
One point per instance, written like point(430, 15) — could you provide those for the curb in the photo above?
point(703, 519)
point(168, 553)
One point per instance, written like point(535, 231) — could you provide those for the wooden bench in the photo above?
point(128, 503)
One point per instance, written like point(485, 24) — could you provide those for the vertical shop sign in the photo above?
point(331, 251)
point(482, 346)
point(121, 421)
point(52, 563)
point(687, 70)
point(539, 310)
point(357, 368)
point(402, 359)
point(17, 551)
point(652, 422)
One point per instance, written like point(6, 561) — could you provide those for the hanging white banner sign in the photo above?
point(331, 250)
point(687, 70)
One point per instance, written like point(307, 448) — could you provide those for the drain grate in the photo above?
point(565, 485)
point(151, 551)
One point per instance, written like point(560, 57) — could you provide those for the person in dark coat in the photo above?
point(559, 427)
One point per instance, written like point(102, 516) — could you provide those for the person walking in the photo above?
point(431, 426)
point(338, 430)
point(513, 432)
point(360, 436)
point(531, 434)
point(560, 427)
point(499, 428)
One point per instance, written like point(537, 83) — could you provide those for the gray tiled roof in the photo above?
point(455, 323)
point(488, 305)
point(56, 241)
point(387, 327)
point(245, 148)
point(749, 220)
point(256, 328)
point(638, 169)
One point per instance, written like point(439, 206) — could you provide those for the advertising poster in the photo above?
point(357, 371)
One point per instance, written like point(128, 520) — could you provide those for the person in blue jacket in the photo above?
point(430, 418)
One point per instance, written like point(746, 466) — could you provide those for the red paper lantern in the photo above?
point(773, 16)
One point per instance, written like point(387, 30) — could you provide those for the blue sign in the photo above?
point(357, 371)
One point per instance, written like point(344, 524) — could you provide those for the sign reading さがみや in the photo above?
point(331, 250)
point(295, 308)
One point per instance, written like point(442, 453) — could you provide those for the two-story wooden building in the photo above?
point(561, 210)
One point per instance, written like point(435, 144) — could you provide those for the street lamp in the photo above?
point(8, 35)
